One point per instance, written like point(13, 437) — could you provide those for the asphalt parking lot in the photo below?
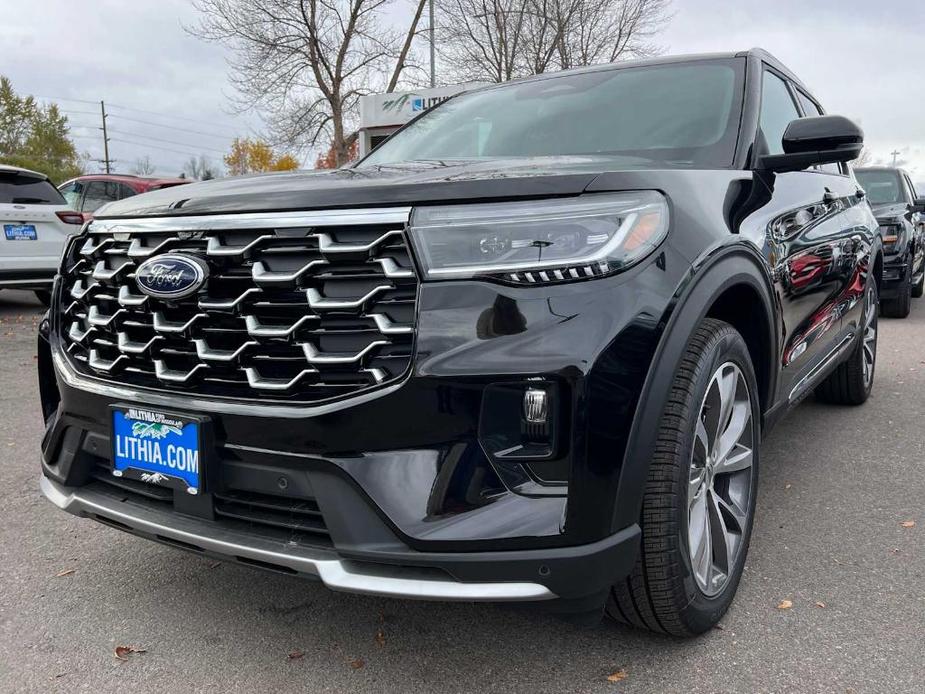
point(837, 485)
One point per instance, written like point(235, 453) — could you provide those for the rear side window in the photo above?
point(777, 110)
point(28, 190)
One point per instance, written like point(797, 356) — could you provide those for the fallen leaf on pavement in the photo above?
point(908, 524)
point(65, 572)
point(820, 604)
point(123, 652)
point(357, 664)
point(787, 486)
point(785, 605)
point(380, 637)
point(296, 655)
point(617, 676)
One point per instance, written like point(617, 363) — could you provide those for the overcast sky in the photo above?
point(862, 59)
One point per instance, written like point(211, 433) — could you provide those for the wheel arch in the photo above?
point(733, 285)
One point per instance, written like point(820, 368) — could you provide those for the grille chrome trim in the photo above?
point(317, 301)
point(334, 572)
point(314, 356)
point(298, 308)
point(252, 220)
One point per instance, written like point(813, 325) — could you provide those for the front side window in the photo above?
point(98, 194)
point(882, 187)
point(811, 109)
point(777, 111)
point(682, 115)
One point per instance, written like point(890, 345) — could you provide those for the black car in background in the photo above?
point(526, 350)
point(902, 225)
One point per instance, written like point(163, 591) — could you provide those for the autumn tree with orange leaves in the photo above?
point(255, 156)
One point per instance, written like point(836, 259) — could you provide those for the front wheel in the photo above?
point(699, 500)
point(44, 297)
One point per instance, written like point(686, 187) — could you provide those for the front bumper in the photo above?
point(412, 502)
point(433, 576)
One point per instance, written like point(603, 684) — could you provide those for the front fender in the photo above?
point(726, 268)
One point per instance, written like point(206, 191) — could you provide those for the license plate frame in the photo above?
point(20, 232)
point(149, 459)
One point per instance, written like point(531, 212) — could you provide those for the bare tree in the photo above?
point(497, 40)
point(866, 158)
point(143, 166)
point(306, 63)
point(200, 168)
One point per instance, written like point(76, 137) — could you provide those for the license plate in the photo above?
point(157, 448)
point(20, 232)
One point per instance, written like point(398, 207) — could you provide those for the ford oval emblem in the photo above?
point(171, 276)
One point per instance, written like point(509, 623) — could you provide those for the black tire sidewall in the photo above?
point(702, 611)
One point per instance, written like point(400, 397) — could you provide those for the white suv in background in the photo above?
point(35, 222)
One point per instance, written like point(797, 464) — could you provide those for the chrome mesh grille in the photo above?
point(301, 307)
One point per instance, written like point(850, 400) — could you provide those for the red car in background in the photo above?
point(86, 194)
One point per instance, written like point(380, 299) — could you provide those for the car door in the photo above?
point(819, 236)
point(97, 194)
point(918, 228)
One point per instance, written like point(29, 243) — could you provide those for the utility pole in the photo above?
point(433, 65)
point(895, 154)
point(106, 159)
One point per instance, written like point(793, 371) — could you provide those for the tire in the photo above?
point(902, 304)
point(663, 593)
point(918, 289)
point(853, 379)
point(44, 297)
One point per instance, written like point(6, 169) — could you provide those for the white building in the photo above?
point(383, 114)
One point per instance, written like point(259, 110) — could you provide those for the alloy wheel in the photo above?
point(870, 337)
point(720, 483)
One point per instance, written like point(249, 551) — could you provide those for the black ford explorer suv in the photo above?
point(902, 225)
point(524, 351)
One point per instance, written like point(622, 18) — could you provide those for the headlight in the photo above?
point(540, 241)
point(890, 233)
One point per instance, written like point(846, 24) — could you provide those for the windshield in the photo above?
point(27, 190)
point(882, 187)
point(674, 115)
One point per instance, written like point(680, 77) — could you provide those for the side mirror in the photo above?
point(818, 140)
point(918, 205)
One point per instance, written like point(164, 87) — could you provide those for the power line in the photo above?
point(169, 142)
point(169, 115)
point(145, 144)
point(169, 127)
point(62, 98)
point(159, 114)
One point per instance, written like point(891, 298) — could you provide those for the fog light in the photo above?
point(536, 406)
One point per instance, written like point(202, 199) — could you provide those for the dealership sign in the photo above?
point(397, 108)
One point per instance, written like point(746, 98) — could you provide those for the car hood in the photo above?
point(405, 183)
point(889, 210)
